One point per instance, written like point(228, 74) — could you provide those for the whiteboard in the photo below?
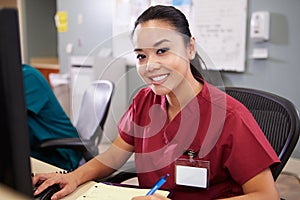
point(220, 30)
point(219, 27)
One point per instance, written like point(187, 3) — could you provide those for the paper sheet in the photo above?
point(220, 29)
point(111, 192)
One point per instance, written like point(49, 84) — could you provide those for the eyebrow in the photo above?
point(155, 44)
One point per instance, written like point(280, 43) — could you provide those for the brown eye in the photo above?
point(162, 50)
point(140, 56)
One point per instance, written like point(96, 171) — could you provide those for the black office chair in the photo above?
point(277, 117)
point(92, 115)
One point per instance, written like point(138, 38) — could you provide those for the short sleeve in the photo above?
point(130, 123)
point(125, 126)
point(36, 95)
point(250, 151)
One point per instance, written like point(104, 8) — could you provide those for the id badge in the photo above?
point(193, 173)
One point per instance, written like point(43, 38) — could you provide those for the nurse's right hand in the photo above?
point(67, 182)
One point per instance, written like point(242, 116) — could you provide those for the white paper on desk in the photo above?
point(110, 192)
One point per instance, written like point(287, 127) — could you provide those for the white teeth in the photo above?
point(159, 78)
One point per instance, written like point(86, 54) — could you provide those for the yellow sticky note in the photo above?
point(61, 21)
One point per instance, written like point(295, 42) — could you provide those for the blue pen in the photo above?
point(158, 184)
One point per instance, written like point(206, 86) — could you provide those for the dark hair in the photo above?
point(178, 20)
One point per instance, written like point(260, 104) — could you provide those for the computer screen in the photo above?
point(15, 169)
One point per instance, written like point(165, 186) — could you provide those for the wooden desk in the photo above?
point(38, 166)
point(45, 66)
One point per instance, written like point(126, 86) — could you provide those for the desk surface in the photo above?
point(38, 166)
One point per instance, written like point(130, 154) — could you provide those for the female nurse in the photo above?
point(208, 143)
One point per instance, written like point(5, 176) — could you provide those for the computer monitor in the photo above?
point(15, 169)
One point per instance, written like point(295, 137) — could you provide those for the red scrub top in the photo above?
point(213, 124)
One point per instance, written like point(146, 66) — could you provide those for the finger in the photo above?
point(60, 194)
point(35, 180)
point(38, 178)
point(47, 183)
point(158, 196)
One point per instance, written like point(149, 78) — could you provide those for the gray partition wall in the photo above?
point(278, 73)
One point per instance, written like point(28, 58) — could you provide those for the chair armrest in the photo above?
point(86, 147)
point(70, 143)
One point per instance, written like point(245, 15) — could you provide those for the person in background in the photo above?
point(47, 120)
point(207, 142)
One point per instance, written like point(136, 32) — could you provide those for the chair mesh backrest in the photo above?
point(277, 117)
point(93, 111)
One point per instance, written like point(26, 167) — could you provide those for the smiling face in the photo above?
point(163, 59)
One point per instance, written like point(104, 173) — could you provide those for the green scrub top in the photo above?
point(47, 120)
